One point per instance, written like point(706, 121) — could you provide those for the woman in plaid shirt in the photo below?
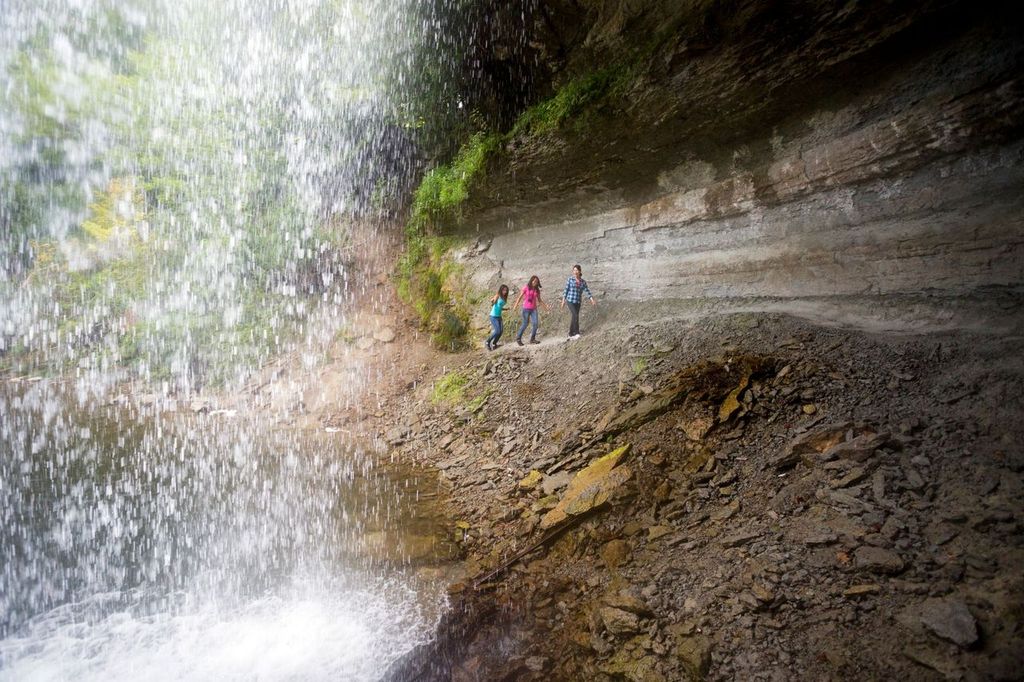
point(575, 287)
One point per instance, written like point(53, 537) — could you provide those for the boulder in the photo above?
point(627, 600)
point(615, 553)
point(696, 428)
point(694, 653)
point(384, 335)
point(633, 662)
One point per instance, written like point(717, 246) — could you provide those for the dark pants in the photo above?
point(574, 318)
point(528, 316)
point(496, 329)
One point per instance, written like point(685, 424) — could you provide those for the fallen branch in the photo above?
point(552, 534)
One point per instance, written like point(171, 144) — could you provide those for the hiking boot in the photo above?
point(519, 341)
point(534, 341)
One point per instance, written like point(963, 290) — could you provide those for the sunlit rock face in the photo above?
point(819, 150)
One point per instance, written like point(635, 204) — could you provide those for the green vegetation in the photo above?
point(431, 282)
point(450, 388)
point(177, 243)
point(428, 279)
point(639, 365)
point(477, 403)
point(574, 98)
point(444, 189)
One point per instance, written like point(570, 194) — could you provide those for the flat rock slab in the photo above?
point(731, 403)
point(643, 411)
point(815, 441)
point(877, 560)
point(556, 482)
point(739, 539)
point(655, 532)
point(855, 591)
point(951, 620)
point(591, 487)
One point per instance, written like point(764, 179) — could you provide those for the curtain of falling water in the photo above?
point(179, 186)
point(180, 179)
point(137, 544)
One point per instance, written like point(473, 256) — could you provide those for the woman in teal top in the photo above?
point(498, 302)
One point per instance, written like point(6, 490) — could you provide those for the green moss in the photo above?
point(450, 388)
point(443, 190)
point(639, 365)
point(434, 285)
point(572, 99)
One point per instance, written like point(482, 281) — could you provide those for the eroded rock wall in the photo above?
point(835, 151)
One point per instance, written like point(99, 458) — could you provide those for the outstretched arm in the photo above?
point(589, 295)
point(519, 299)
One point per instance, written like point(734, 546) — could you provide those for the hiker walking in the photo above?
point(531, 300)
point(498, 302)
point(575, 287)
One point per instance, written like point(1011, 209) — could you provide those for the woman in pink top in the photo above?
point(530, 298)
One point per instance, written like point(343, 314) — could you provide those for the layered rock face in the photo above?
point(817, 151)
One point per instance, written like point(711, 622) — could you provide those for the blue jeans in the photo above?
point(529, 315)
point(496, 329)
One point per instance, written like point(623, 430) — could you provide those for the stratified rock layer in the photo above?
point(828, 152)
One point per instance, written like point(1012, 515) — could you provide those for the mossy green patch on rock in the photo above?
point(431, 282)
point(443, 190)
point(571, 100)
point(592, 487)
point(450, 388)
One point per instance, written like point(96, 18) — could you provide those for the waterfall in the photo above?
point(183, 189)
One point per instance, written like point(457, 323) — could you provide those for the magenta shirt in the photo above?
point(529, 298)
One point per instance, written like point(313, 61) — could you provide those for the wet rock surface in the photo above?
point(879, 536)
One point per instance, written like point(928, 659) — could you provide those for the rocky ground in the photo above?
point(742, 496)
